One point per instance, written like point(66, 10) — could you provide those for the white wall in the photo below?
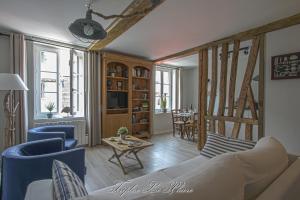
point(282, 97)
point(4, 68)
point(189, 85)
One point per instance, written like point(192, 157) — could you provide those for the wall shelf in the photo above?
point(117, 90)
point(140, 112)
point(117, 78)
point(144, 78)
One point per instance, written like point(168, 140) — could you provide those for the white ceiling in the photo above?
point(51, 18)
point(185, 62)
point(177, 25)
point(174, 26)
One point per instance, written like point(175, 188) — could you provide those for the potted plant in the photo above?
point(163, 103)
point(122, 132)
point(50, 107)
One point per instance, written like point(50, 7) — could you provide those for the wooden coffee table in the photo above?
point(131, 145)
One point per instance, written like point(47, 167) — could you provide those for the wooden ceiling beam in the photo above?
point(273, 26)
point(119, 26)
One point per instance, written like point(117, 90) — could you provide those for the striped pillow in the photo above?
point(217, 144)
point(67, 185)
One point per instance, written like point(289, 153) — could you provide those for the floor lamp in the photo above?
point(11, 83)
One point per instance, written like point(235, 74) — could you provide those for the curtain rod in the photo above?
point(49, 42)
point(55, 43)
point(4, 34)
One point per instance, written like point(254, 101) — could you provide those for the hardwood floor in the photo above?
point(166, 151)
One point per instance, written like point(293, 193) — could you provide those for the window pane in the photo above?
point(78, 84)
point(166, 78)
point(65, 82)
point(75, 83)
point(46, 99)
point(168, 103)
point(48, 82)
point(48, 61)
point(166, 90)
point(157, 89)
point(158, 77)
point(75, 103)
point(157, 103)
point(75, 64)
point(48, 76)
point(65, 97)
point(64, 62)
point(174, 89)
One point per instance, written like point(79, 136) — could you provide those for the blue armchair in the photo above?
point(31, 161)
point(65, 132)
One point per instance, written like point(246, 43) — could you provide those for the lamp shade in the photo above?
point(11, 82)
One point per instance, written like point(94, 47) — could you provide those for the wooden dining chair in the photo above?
point(178, 124)
point(191, 127)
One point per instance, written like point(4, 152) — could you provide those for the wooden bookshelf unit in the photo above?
point(126, 95)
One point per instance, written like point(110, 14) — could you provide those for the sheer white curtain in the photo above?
point(94, 97)
point(18, 66)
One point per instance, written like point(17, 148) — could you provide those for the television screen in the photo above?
point(117, 100)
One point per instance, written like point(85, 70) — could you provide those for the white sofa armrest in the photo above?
point(286, 186)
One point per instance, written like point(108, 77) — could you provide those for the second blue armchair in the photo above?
point(65, 132)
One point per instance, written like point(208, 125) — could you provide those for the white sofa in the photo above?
point(219, 178)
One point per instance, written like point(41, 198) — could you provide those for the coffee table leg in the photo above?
point(116, 155)
point(137, 158)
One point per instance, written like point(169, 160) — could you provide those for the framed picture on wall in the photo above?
point(286, 66)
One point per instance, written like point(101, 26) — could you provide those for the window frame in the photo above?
point(37, 83)
point(38, 48)
point(169, 71)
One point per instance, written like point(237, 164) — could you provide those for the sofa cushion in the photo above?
point(132, 189)
point(262, 165)
point(67, 185)
point(210, 181)
point(184, 167)
point(217, 144)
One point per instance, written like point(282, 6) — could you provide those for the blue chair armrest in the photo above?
point(32, 136)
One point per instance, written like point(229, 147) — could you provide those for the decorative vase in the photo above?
point(123, 136)
point(49, 115)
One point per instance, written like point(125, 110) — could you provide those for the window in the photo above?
point(165, 86)
point(59, 80)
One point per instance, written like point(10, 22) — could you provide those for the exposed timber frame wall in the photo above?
point(217, 122)
point(208, 121)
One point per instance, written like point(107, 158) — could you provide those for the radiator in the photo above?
point(80, 132)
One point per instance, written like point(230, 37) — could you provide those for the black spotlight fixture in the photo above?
point(88, 30)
